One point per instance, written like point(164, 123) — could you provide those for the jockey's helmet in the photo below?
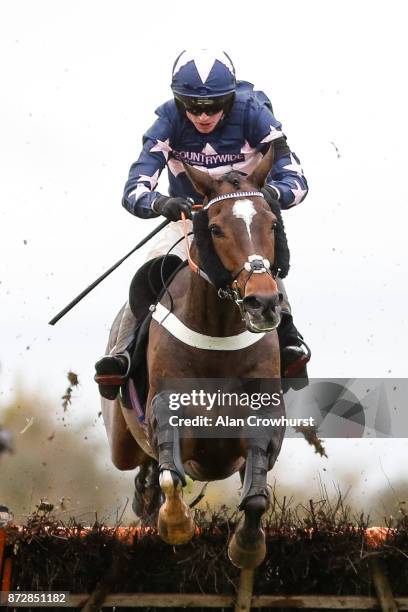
point(203, 81)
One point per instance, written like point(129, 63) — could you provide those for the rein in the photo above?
point(254, 265)
point(193, 266)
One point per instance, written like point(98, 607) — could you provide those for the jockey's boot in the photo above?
point(112, 371)
point(295, 354)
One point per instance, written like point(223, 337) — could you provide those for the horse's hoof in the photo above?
point(247, 556)
point(175, 523)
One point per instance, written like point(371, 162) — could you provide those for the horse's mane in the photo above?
point(209, 260)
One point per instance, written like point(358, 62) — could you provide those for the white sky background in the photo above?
point(80, 82)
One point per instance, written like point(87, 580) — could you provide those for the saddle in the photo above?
point(146, 289)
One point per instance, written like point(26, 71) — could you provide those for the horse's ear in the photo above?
point(259, 175)
point(202, 182)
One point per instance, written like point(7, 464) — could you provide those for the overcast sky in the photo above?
point(80, 82)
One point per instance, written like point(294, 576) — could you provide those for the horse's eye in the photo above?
point(216, 231)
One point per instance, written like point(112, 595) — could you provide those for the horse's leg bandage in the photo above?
point(168, 438)
point(256, 470)
point(262, 452)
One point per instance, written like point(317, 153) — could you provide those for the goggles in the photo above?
point(209, 106)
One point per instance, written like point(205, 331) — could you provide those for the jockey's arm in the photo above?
point(139, 193)
point(286, 177)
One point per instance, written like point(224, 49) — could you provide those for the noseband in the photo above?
point(254, 265)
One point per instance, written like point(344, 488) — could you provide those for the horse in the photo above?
point(227, 305)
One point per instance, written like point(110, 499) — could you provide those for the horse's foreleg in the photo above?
point(247, 546)
point(175, 523)
point(147, 497)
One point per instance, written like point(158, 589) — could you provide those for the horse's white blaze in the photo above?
point(245, 210)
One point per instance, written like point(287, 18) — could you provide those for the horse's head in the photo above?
point(241, 242)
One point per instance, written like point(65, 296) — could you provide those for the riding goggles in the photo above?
point(209, 106)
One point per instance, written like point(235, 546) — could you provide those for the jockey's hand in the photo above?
point(270, 192)
point(172, 207)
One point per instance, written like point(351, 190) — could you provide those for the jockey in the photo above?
point(217, 124)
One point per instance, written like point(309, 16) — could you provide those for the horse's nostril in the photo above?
point(262, 304)
point(252, 303)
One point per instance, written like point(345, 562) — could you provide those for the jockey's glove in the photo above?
point(172, 207)
point(270, 192)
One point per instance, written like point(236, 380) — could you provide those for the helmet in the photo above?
point(203, 74)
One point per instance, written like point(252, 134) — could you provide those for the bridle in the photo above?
point(255, 264)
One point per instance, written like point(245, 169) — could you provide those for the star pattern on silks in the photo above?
point(209, 150)
point(204, 60)
point(246, 149)
point(143, 178)
point(299, 194)
point(249, 164)
point(273, 135)
point(175, 166)
point(140, 190)
point(162, 146)
point(294, 166)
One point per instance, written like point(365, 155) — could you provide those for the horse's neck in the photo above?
point(204, 311)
